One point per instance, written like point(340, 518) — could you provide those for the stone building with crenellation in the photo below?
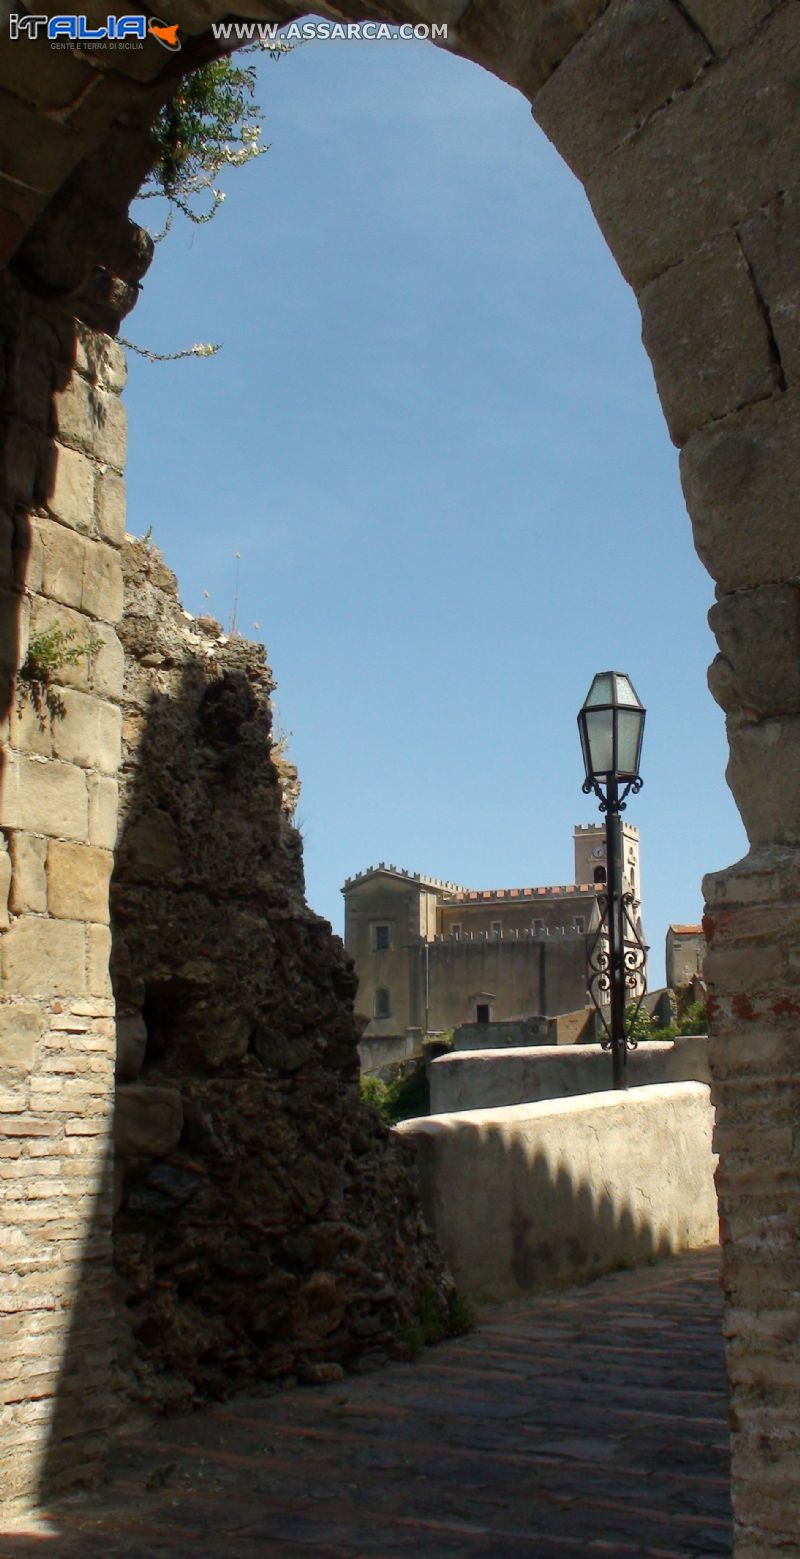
point(430, 955)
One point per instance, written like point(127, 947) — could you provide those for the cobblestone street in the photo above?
point(592, 1422)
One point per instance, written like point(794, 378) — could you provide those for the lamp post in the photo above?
point(611, 725)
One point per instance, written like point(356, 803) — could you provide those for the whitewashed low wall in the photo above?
point(380, 1052)
point(536, 1196)
point(485, 1079)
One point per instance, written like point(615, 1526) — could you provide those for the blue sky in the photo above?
point(434, 438)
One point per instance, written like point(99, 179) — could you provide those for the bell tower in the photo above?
point(590, 857)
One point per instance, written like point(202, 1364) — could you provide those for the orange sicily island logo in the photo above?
point(166, 34)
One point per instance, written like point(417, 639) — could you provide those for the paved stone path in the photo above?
point(592, 1422)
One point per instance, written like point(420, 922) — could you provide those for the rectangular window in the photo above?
point(538, 928)
point(578, 924)
point(381, 938)
point(455, 932)
point(383, 1005)
point(497, 928)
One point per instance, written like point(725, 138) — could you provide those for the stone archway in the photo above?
point(681, 119)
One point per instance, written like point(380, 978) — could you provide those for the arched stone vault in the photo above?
point(682, 119)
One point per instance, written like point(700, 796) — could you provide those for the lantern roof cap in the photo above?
point(612, 687)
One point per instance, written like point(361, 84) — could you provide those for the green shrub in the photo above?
point(694, 1019)
point(375, 1091)
point(638, 1024)
point(211, 123)
point(405, 1096)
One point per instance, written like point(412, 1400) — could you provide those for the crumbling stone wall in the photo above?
point(265, 1222)
point(680, 117)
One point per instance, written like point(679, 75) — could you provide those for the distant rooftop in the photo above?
point(566, 890)
point(400, 871)
point(460, 895)
point(600, 828)
point(687, 930)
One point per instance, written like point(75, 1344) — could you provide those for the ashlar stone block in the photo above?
point(29, 722)
point(98, 960)
point(100, 358)
point(634, 58)
point(44, 957)
point(110, 505)
point(671, 187)
point(38, 153)
point(726, 22)
point(771, 241)
point(72, 497)
point(87, 732)
point(5, 885)
point(103, 808)
point(21, 451)
point(77, 881)
point(523, 41)
point(44, 797)
point(707, 337)
point(15, 618)
point(92, 419)
point(740, 481)
point(104, 672)
point(762, 774)
point(30, 564)
point(63, 557)
point(22, 1025)
point(51, 78)
point(29, 874)
point(758, 632)
point(102, 587)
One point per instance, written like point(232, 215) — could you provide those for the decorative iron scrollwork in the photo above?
point(634, 964)
point(618, 805)
point(599, 981)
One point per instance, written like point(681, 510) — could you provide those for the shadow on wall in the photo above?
point(80, 1417)
point(563, 1230)
point(266, 1223)
point(535, 1197)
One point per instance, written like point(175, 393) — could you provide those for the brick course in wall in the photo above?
point(57, 1030)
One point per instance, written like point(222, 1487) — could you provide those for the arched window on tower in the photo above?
point(600, 874)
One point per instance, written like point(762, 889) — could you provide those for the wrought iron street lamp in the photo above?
point(611, 725)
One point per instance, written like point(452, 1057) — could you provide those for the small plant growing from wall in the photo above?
point(49, 652)
point(211, 124)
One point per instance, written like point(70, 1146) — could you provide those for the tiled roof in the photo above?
point(687, 930)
